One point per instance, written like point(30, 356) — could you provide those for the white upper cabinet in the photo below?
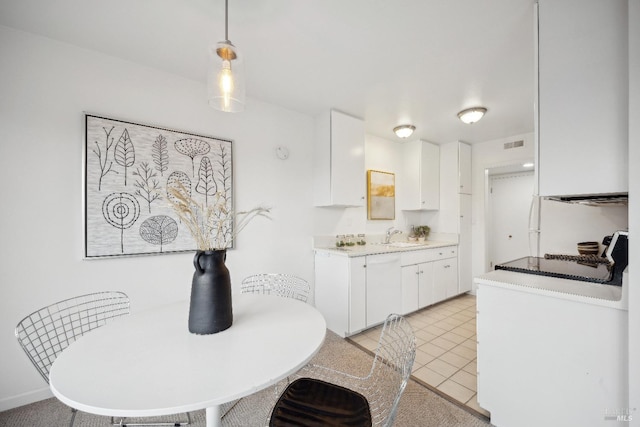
point(339, 173)
point(583, 97)
point(464, 168)
point(420, 183)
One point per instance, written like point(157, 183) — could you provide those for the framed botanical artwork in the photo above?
point(129, 169)
point(381, 195)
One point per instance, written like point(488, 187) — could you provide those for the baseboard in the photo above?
point(25, 398)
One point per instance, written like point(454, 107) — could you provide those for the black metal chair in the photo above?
point(322, 396)
point(45, 333)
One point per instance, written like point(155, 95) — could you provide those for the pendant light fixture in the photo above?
point(404, 131)
point(471, 115)
point(226, 87)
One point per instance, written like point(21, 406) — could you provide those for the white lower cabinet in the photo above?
point(428, 276)
point(445, 278)
point(410, 288)
point(340, 292)
point(417, 286)
point(355, 293)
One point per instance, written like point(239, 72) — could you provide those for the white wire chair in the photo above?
point(284, 285)
point(46, 332)
point(340, 398)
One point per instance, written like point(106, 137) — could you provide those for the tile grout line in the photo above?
point(454, 312)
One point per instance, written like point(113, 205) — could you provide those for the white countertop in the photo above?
point(575, 290)
point(379, 248)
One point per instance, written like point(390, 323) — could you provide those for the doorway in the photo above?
point(510, 197)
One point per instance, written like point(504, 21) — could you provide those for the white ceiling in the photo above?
point(388, 62)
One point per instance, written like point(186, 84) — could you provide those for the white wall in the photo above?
point(634, 209)
point(382, 155)
point(486, 155)
point(45, 87)
point(563, 225)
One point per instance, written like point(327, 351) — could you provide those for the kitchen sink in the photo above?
point(404, 244)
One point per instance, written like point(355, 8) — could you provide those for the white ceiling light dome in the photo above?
point(472, 115)
point(404, 131)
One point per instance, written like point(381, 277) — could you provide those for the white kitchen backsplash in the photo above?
point(563, 225)
point(330, 241)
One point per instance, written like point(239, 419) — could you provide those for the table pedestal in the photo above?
point(213, 416)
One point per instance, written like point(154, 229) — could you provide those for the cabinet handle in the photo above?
point(417, 272)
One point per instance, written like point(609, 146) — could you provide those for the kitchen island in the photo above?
point(551, 351)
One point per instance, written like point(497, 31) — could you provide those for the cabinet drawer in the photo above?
point(428, 255)
point(446, 252)
point(418, 257)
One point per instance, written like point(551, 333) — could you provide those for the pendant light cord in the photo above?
point(226, 20)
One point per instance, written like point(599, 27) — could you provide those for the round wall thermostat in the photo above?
point(282, 152)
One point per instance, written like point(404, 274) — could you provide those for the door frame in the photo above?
point(512, 166)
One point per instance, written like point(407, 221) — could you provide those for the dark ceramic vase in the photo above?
point(210, 310)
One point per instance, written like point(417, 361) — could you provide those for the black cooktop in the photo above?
point(566, 269)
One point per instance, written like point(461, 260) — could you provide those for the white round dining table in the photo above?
point(149, 364)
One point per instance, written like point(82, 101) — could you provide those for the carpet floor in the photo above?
point(418, 407)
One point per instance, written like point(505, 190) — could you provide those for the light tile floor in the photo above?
point(446, 354)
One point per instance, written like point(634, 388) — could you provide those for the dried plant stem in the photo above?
point(212, 226)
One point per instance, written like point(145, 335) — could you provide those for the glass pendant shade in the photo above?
point(225, 81)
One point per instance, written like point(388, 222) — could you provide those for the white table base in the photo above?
point(214, 418)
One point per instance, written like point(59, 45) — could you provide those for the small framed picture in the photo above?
point(381, 195)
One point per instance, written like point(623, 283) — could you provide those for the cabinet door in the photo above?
point(357, 294)
point(338, 161)
point(451, 273)
point(331, 293)
point(425, 284)
point(410, 292)
point(439, 281)
point(464, 166)
point(420, 179)
point(384, 287)
point(464, 245)
point(347, 160)
point(583, 94)
point(447, 220)
point(430, 176)
point(445, 279)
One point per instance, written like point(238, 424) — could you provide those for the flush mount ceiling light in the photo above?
point(226, 87)
point(471, 115)
point(404, 131)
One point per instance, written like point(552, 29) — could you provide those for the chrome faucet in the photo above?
point(390, 232)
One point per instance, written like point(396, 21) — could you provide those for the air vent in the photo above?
point(513, 144)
